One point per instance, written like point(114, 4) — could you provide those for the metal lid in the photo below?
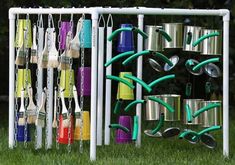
point(174, 60)
point(190, 67)
point(148, 133)
point(155, 65)
point(212, 70)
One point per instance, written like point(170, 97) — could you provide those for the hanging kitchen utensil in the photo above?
point(189, 64)
point(212, 70)
point(191, 34)
point(175, 31)
point(174, 59)
point(211, 42)
point(155, 65)
point(152, 108)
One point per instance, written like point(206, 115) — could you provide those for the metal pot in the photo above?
point(152, 111)
point(154, 41)
point(191, 34)
point(213, 116)
point(212, 45)
point(175, 31)
point(174, 101)
point(194, 105)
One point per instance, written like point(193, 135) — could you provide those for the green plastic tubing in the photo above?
point(135, 128)
point(203, 63)
point(189, 62)
point(208, 107)
point(116, 32)
point(129, 59)
point(168, 107)
point(213, 128)
point(183, 134)
point(135, 29)
point(171, 76)
point(188, 89)
point(147, 52)
point(189, 113)
point(205, 37)
point(164, 34)
point(159, 125)
point(117, 106)
point(117, 57)
point(189, 38)
point(133, 103)
point(142, 33)
point(142, 83)
point(118, 126)
point(120, 80)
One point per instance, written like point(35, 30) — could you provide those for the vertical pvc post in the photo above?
point(226, 85)
point(50, 110)
point(139, 75)
point(100, 85)
point(108, 88)
point(38, 139)
point(93, 85)
point(11, 79)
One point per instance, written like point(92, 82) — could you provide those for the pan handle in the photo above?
point(141, 82)
point(133, 103)
point(205, 37)
point(120, 80)
point(135, 128)
point(206, 108)
point(171, 76)
point(159, 125)
point(203, 63)
point(189, 113)
point(117, 57)
point(164, 34)
point(168, 107)
point(118, 126)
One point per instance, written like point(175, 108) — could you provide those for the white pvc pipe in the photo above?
point(100, 86)
point(11, 80)
point(50, 110)
point(226, 85)
point(108, 89)
point(139, 75)
point(93, 86)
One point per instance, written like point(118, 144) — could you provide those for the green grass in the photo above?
point(153, 151)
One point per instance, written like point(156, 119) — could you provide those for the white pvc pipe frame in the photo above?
point(125, 11)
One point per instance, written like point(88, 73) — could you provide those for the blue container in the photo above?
point(85, 34)
point(126, 40)
point(20, 133)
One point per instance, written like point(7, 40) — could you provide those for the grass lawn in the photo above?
point(153, 151)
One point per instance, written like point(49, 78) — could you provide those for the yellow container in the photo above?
point(65, 82)
point(22, 25)
point(21, 81)
point(85, 128)
point(125, 92)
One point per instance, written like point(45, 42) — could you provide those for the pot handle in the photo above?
point(183, 134)
point(168, 107)
point(141, 82)
point(213, 128)
point(133, 103)
point(118, 106)
point(159, 125)
point(135, 29)
point(118, 126)
point(203, 63)
point(135, 128)
point(189, 113)
point(120, 80)
point(146, 52)
point(208, 107)
point(205, 37)
point(188, 89)
point(189, 38)
point(164, 34)
point(171, 76)
point(117, 57)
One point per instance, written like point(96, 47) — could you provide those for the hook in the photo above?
point(101, 19)
point(110, 19)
